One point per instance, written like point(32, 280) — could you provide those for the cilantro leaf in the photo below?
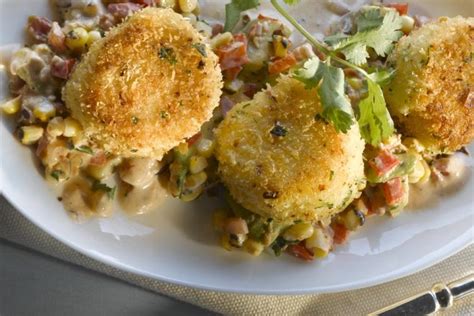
point(369, 19)
point(85, 149)
point(330, 82)
point(234, 9)
point(380, 38)
point(98, 186)
point(374, 120)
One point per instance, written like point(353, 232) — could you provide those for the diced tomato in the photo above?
point(122, 10)
point(281, 64)
point(393, 191)
point(232, 73)
point(99, 159)
point(384, 162)
point(61, 68)
point(57, 39)
point(194, 139)
point(300, 251)
point(402, 8)
point(39, 27)
point(250, 89)
point(262, 17)
point(234, 54)
point(340, 233)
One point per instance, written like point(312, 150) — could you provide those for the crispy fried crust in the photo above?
point(431, 96)
point(146, 86)
point(310, 173)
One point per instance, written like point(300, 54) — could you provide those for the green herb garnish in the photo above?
point(98, 186)
point(135, 120)
point(201, 48)
point(84, 149)
point(168, 54)
point(278, 130)
point(57, 174)
point(234, 9)
point(164, 114)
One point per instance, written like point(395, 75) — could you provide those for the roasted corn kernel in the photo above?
point(44, 111)
point(197, 164)
point(168, 4)
point(93, 36)
point(191, 195)
point(427, 174)
point(90, 9)
point(221, 40)
point(194, 181)
point(71, 127)
point(191, 18)
point(418, 171)
point(12, 106)
point(407, 23)
point(320, 239)
point(187, 6)
point(299, 231)
point(205, 147)
point(320, 253)
point(280, 46)
point(253, 247)
point(55, 127)
point(77, 39)
point(30, 134)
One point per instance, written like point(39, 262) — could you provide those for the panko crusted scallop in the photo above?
point(148, 85)
point(278, 159)
point(431, 96)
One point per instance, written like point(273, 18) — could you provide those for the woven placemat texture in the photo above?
point(16, 228)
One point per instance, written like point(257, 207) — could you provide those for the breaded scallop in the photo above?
point(145, 87)
point(279, 159)
point(432, 94)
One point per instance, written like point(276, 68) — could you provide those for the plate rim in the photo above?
point(455, 246)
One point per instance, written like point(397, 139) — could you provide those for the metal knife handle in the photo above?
point(440, 297)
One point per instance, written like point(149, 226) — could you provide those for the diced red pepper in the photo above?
point(232, 73)
point(61, 68)
point(99, 159)
point(300, 251)
point(340, 233)
point(393, 191)
point(384, 162)
point(39, 27)
point(122, 10)
point(217, 29)
point(234, 54)
point(281, 64)
point(250, 89)
point(262, 17)
point(57, 39)
point(191, 141)
point(402, 8)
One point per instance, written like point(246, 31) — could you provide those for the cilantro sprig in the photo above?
point(234, 9)
point(374, 31)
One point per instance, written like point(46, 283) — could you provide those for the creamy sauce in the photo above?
point(140, 200)
point(429, 193)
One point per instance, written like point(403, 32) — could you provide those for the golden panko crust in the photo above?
point(310, 173)
point(432, 94)
point(145, 87)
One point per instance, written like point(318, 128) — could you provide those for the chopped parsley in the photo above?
point(168, 54)
point(164, 114)
point(270, 195)
point(134, 120)
point(201, 48)
point(57, 174)
point(278, 130)
point(84, 149)
point(98, 186)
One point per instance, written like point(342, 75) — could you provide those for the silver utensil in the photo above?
point(440, 297)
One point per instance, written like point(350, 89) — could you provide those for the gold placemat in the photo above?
point(16, 228)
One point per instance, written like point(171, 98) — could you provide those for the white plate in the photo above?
point(177, 244)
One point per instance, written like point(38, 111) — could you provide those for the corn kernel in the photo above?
point(191, 18)
point(351, 220)
point(221, 40)
point(280, 46)
point(168, 4)
point(71, 127)
point(299, 231)
point(320, 239)
point(205, 147)
point(77, 39)
point(55, 127)
point(319, 253)
point(413, 144)
point(195, 181)
point(44, 111)
point(418, 172)
point(427, 174)
point(12, 106)
point(253, 247)
point(187, 6)
point(225, 242)
point(197, 164)
point(189, 196)
point(93, 36)
point(407, 23)
point(90, 10)
point(30, 134)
